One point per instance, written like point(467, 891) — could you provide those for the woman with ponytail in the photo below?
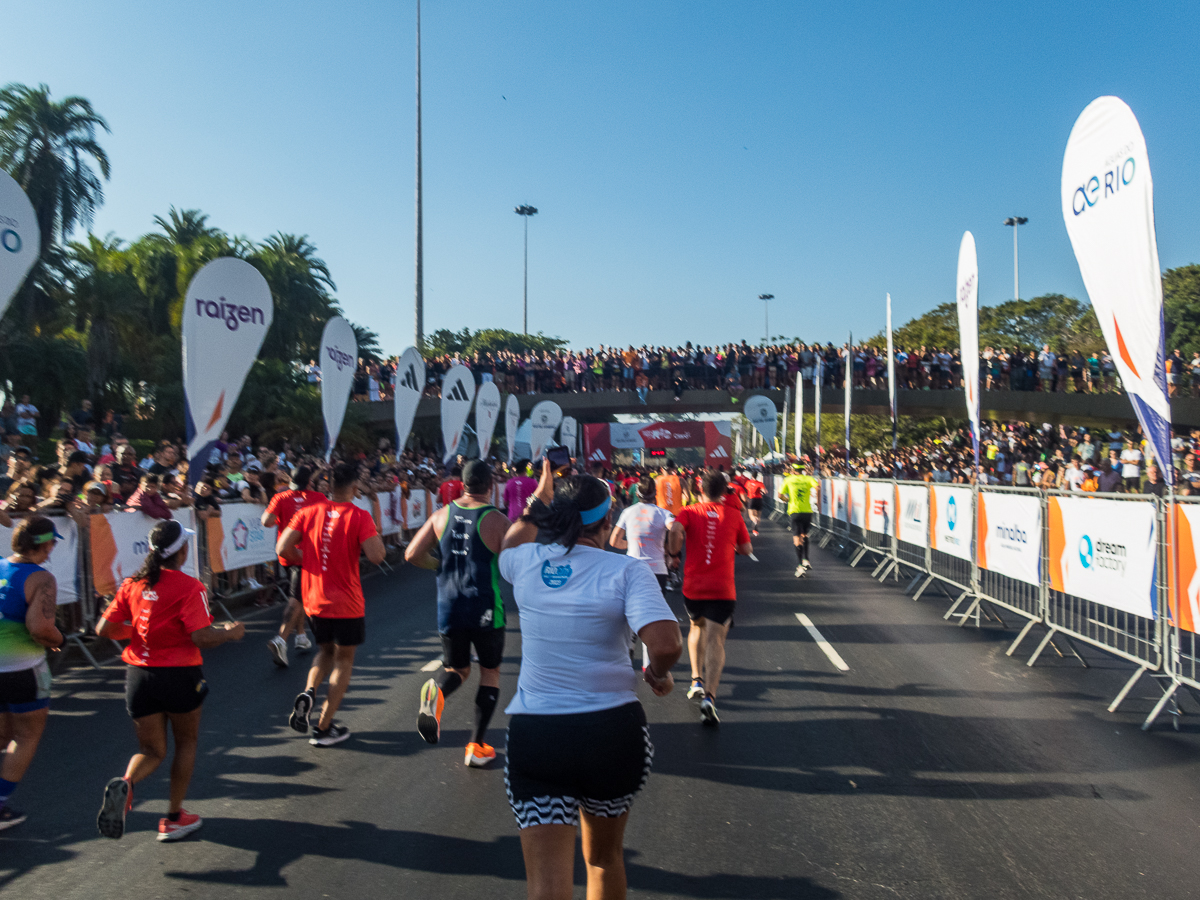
point(164, 615)
point(578, 745)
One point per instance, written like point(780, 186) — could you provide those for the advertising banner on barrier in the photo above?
point(120, 542)
point(1185, 575)
point(826, 506)
point(841, 500)
point(1010, 536)
point(64, 559)
point(881, 508)
point(858, 503)
point(410, 383)
point(951, 520)
point(339, 361)
point(388, 511)
point(912, 522)
point(416, 508)
point(237, 538)
point(1105, 551)
point(20, 243)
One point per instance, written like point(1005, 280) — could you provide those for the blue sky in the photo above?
point(685, 156)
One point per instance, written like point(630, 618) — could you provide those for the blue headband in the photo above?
point(596, 513)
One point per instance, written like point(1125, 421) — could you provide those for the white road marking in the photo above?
point(826, 647)
point(431, 665)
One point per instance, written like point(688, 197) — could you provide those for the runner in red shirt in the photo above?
point(164, 615)
point(452, 488)
point(280, 511)
point(754, 501)
point(326, 540)
point(712, 534)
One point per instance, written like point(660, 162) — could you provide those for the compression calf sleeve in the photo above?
point(486, 699)
point(799, 552)
point(448, 681)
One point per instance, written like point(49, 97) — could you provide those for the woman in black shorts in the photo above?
point(164, 614)
point(578, 744)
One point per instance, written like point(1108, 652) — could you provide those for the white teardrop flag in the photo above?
point(968, 331)
point(568, 433)
point(458, 390)
point(762, 414)
point(20, 242)
point(512, 421)
point(410, 383)
point(226, 315)
point(1108, 207)
point(487, 414)
point(545, 418)
point(339, 359)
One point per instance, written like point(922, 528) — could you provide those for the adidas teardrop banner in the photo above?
point(544, 421)
point(1108, 207)
point(458, 390)
point(487, 414)
point(1010, 535)
point(410, 384)
point(951, 520)
point(912, 522)
point(568, 434)
point(762, 414)
point(20, 242)
point(339, 359)
point(512, 421)
point(226, 316)
point(968, 331)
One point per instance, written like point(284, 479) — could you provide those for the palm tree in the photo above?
point(301, 288)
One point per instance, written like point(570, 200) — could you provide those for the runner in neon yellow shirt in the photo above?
point(798, 489)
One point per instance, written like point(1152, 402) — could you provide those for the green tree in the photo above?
point(489, 340)
point(1181, 308)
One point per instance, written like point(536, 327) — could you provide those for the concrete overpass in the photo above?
point(1027, 406)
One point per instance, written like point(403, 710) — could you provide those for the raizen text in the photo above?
point(232, 313)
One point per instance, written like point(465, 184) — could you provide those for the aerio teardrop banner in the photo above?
point(487, 414)
point(763, 415)
point(19, 239)
point(544, 420)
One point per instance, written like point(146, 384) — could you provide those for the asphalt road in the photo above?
point(935, 767)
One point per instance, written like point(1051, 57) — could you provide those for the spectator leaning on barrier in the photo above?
point(148, 500)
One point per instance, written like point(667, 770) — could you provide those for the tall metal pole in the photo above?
point(420, 274)
point(766, 299)
point(1016, 277)
point(525, 301)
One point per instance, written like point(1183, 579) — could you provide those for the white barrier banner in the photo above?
point(388, 509)
point(410, 384)
point(826, 506)
point(881, 508)
point(417, 508)
point(1105, 551)
point(339, 360)
point(1010, 536)
point(64, 559)
point(120, 542)
point(20, 243)
point(458, 391)
point(912, 523)
point(858, 503)
point(951, 520)
point(237, 538)
point(487, 414)
point(841, 504)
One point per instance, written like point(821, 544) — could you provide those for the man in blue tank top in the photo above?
point(467, 533)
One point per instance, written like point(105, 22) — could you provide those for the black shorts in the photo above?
point(343, 632)
point(163, 689)
point(754, 503)
point(801, 522)
point(719, 611)
point(488, 643)
point(555, 765)
point(26, 690)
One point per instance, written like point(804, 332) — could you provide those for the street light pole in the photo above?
point(1013, 222)
point(525, 212)
point(766, 299)
point(420, 266)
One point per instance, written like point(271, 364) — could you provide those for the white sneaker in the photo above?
point(302, 642)
point(800, 570)
point(278, 648)
point(253, 584)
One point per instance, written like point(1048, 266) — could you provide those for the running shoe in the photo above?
point(10, 817)
point(334, 734)
point(254, 584)
point(800, 570)
point(708, 712)
point(697, 689)
point(300, 710)
point(302, 642)
point(479, 755)
point(118, 800)
point(278, 648)
point(179, 829)
point(429, 719)
point(754, 533)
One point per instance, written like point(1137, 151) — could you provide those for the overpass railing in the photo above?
point(1117, 572)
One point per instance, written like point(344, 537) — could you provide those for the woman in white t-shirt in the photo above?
point(578, 739)
point(642, 531)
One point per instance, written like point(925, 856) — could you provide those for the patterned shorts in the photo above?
point(556, 765)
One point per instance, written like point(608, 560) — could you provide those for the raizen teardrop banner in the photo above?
point(20, 242)
point(458, 390)
point(568, 433)
point(512, 421)
point(967, 294)
point(544, 421)
point(410, 384)
point(226, 315)
point(1108, 208)
point(487, 414)
point(339, 359)
point(762, 414)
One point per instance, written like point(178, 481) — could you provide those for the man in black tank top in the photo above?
point(467, 533)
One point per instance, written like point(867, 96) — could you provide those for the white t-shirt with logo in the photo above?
point(579, 610)
point(645, 528)
point(1131, 460)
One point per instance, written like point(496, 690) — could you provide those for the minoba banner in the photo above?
point(1185, 574)
point(1108, 208)
point(226, 315)
point(339, 360)
point(881, 508)
point(950, 517)
point(64, 559)
point(968, 331)
point(120, 542)
point(1104, 551)
point(20, 241)
point(1010, 536)
point(912, 522)
point(487, 414)
point(599, 441)
point(410, 384)
point(458, 390)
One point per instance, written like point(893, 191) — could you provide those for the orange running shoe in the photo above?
point(479, 755)
point(174, 831)
point(429, 719)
